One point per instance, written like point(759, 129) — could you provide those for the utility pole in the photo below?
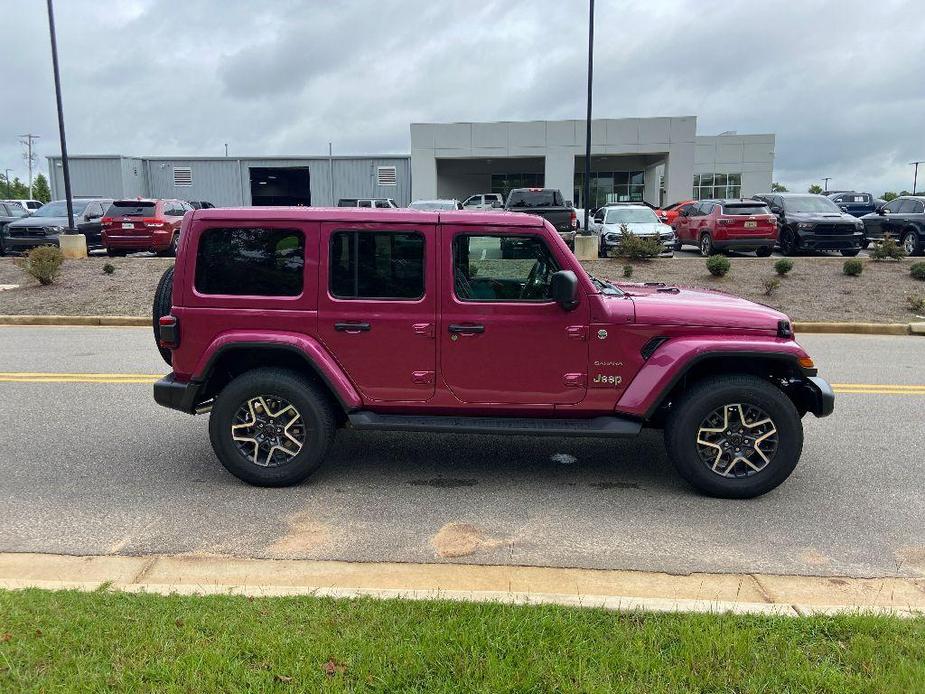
point(331, 170)
point(9, 188)
point(915, 178)
point(826, 181)
point(64, 161)
point(26, 141)
point(226, 149)
point(586, 193)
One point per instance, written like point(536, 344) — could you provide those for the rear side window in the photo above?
point(377, 265)
point(250, 261)
point(746, 209)
point(131, 208)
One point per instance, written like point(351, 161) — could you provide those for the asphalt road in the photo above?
point(96, 468)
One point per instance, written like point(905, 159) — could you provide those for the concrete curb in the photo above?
point(608, 589)
point(798, 326)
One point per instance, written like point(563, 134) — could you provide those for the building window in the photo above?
point(610, 186)
point(250, 262)
point(504, 183)
point(717, 186)
point(376, 265)
point(182, 176)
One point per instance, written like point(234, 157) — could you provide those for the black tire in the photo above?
point(706, 245)
point(910, 243)
point(163, 300)
point(789, 243)
point(712, 394)
point(865, 244)
point(850, 253)
point(764, 252)
point(310, 402)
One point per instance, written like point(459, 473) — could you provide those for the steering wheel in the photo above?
point(535, 286)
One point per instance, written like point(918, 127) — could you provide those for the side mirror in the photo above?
point(565, 289)
point(775, 209)
point(881, 209)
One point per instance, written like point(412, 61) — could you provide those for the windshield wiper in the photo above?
point(605, 287)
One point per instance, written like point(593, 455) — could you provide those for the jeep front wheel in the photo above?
point(271, 427)
point(734, 437)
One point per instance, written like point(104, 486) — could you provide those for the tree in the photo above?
point(889, 195)
point(904, 192)
point(40, 189)
point(778, 188)
point(815, 189)
point(15, 189)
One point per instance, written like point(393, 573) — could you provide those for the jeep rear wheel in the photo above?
point(734, 437)
point(271, 427)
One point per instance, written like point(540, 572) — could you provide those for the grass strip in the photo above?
point(72, 641)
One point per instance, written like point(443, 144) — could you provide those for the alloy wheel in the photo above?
point(737, 440)
point(268, 431)
point(909, 244)
point(706, 245)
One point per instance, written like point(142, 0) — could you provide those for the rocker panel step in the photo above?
point(534, 426)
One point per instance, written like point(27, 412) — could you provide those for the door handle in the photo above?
point(466, 329)
point(352, 327)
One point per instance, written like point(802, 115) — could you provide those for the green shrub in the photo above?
point(43, 263)
point(783, 266)
point(771, 285)
point(918, 271)
point(718, 265)
point(109, 268)
point(627, 271)
point(916, 303)
point(635, 247)
point(887, 249)
point(853, 267)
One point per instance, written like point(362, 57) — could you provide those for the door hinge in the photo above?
point(425, 329)
point(577, 332)
point(574, 380)
point(422, 377)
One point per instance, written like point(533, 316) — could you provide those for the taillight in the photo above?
point(168, 332)
point(106, 220)
point(573, 220)
point(153, 222)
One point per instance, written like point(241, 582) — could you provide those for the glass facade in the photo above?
point(717, 186)
point(504, 183)
point(610, 186)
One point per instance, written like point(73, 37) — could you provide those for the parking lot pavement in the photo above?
point(97, 468)
point(692, 252)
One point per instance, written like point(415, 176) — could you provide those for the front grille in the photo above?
point(833, 229)
point(26, 232)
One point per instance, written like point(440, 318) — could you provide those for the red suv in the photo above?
point(143, 225)
point(720, 225)
point(289, 323)
point(671, 212)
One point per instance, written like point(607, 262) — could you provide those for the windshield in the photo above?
point(630, 215)
point(810, 203)
point(58, 208)
point(433, 205)
point(535, 198)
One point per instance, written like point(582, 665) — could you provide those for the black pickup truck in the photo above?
point(548, 204)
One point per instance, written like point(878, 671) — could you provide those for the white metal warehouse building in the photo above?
point(659, 160)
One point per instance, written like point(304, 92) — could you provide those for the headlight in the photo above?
point(804, 225)
point(54, 229)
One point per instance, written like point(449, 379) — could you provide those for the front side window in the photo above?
point(250, 261)
point(377, 265)
point(892, 206)
point(502, 268)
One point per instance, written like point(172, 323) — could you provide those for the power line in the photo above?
point(30, 158)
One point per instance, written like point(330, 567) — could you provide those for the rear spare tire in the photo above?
point(163, 300)
point(734, 436)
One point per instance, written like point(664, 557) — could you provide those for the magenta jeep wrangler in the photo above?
point(287, 324)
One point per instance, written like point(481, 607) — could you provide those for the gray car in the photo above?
point(50, 220)
point(9, 212)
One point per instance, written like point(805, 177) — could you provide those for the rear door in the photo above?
point(377, 307)
point(503, 339)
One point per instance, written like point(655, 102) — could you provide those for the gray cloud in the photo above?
point(839, 85)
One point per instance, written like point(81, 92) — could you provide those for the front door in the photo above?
point(502, 338)
point(376, 307)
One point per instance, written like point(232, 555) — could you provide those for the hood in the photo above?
point(699, 308)
point(647, 229)
point(43, 222)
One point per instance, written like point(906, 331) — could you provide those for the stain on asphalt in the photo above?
point(614, 485)
point(461, 540)
point(304, 534)
point(814, 557)
point(443, 483)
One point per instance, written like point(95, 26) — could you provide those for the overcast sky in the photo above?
point(841, 83)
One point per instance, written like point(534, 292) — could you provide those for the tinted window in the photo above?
point(907, 207)
point(534, 198)
point(377, 265)
point(893, 206)
point(502, 268)
point(347, 202)
point(810, 203)
point(382, 204)
point(365, 203)
point(250, 262)
point(130, 208)
point(746, 209)
point(918, 207)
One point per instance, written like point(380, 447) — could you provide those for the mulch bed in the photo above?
point(815, 290)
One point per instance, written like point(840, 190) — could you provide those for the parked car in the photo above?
point(902, 218)
point(640, 220)
point(44, 225)
point(416, 324)
point(136, 225)
point(380, 203)
point(720, 225)
point(200, 204)
point(855, 204)
point(27, 205)
point(672, 211)
point(809, 222)
point(484, 201)
point(9, 212)
point(432, 205)
point(548, 204)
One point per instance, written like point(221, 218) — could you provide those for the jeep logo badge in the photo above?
point(601, 334)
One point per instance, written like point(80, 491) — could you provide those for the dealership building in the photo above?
point(658, 160)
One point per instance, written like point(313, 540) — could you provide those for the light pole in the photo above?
point(586, 194)
point(826, 182)
point(9, 188)
point(64, 162)
point(915, 178)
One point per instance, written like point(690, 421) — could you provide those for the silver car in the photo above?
point(638, 219)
